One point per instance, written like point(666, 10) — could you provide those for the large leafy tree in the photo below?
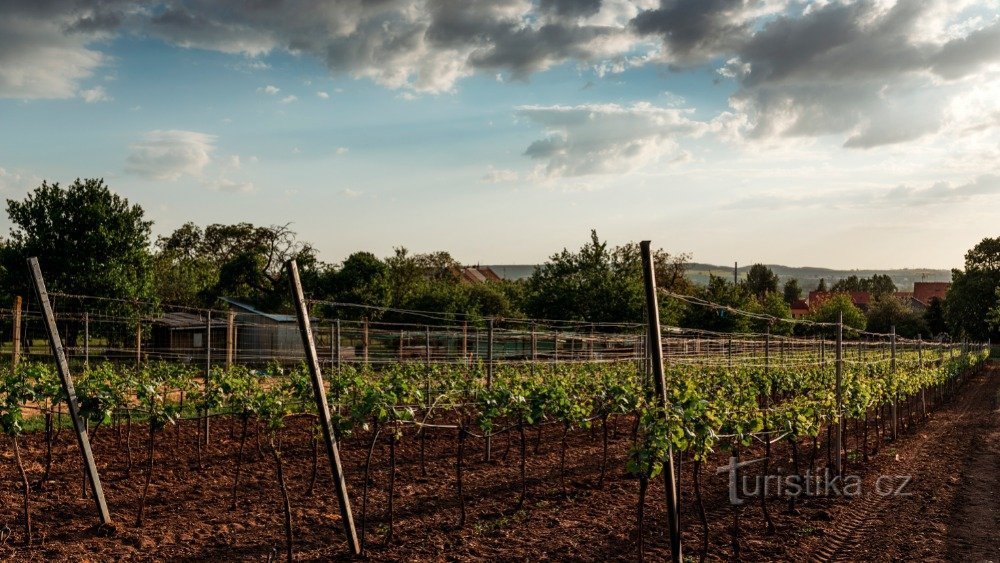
point(88, 239)
point(600, 284)
point(974, 292)
point(792, 290)
point(761, 281)
point(878, 285)
point(888, 311)
point(934, 317)
point(826, 312)
point(722, 292)
point(243, 261)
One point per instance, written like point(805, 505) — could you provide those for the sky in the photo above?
point(845, 134)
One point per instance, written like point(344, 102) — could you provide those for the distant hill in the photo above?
point(808, 276)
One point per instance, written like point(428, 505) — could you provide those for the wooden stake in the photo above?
point(16, 333)
point(230, 338)
point(656, 358)
point(55, 342)
point(322, 408)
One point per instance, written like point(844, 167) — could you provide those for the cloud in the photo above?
point(695, 32)
point(168, 155)
point(349, 193)
point(94, 95)
point(342, 150)
point(943, 192)
point(269, 89)
point(607, 138)
point(937, 194)
point(230, 186)
point(289, 99)
point(45, 48)
point(498, 176)
point(322, 95)
point(875, 72)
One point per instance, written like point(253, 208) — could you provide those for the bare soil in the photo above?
point(951, 512)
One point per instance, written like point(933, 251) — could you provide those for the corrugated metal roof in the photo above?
point(185, 320)
point(276, 317)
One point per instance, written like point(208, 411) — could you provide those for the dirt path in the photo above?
point(949, 509)
point(974, 530)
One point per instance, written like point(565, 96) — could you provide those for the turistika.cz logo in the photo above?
point(809, 484)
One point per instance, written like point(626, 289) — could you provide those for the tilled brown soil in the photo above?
point(189, 515)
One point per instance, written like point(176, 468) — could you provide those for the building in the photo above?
point(259, 336)
point(477, 274)
point(860, 299)
point(924, 292)
point(800, 308)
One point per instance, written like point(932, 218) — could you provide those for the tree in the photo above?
point(244, 261)
point(792, 291)
point(89, 241)
point(934, 318)
point(601, 284)
point(761, 281)
point(362, 279)
point(826, 312)
point(877, 285)
point(774, 305)
point(722, 292)
point(822, 285)
point(887, 311)
point(974, 292)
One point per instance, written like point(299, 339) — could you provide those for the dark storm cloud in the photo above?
point(693, 31)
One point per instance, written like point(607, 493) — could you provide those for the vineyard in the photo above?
point(488, 419)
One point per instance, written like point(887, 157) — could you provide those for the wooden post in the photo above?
point(400, 352)
point(67, 386)
point(206, 424)
point(839, 359)
point(336, 339)
point(322, 408)
point(892, 369)
point(465, 341)
point(138, 343)
point(923, 389)
point(364, 341)
point(86, 341)
point(534, 344)
point(16, 333)
point(489, 380)
point(230, 338)
point(591, 343)
point(656, 358)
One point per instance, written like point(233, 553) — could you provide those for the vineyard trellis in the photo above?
point(393, 375)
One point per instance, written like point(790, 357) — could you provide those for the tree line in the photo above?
point(92, 241)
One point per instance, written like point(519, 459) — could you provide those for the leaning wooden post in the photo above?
point(656, 357)
point(16, 333)
point(892, 369)
point(489, 380)
point(55, 342)
point(839, 366)
point(322, 408)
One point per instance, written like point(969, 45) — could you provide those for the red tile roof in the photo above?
point(925, 291)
